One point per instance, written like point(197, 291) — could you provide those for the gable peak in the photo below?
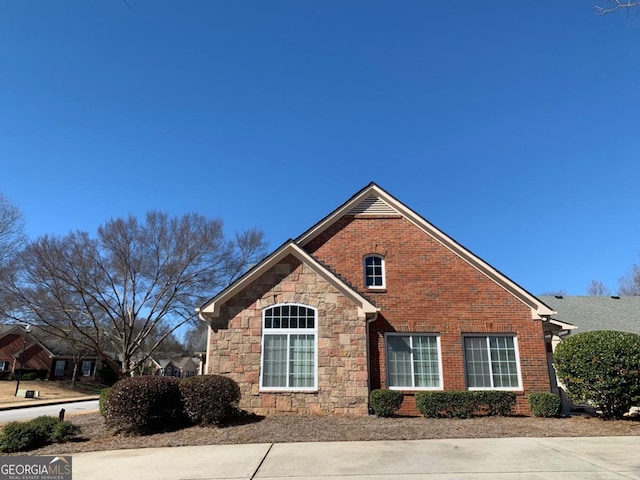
point(372, 204)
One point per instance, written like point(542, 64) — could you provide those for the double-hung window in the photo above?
point(289, 348)
point(374, 271)
point(4, 366)
point(492, 362)
point(413, 361)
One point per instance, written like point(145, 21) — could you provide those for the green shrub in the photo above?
point(44, 425)
point(601, 368)
point(385, 402)
point(20, 437)
point(102, 402)
point(25, 436)
point(64, 432)
point(494, 403)
point(464, 404)
point(143, 405)
point(210, 399)
point(545, 404)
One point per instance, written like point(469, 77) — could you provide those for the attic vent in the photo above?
point(373, 206)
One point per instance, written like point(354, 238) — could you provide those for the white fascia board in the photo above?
point(539, 309)
point(212, 307)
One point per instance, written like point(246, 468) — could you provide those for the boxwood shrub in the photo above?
point(601, 368)
point(144, 405)
point(384, 403)
point(545, 404)
point(102, 402)
point(464, 404)
point(210, 399)
point(25, 436)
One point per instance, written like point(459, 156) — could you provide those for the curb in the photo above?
point(44, 403)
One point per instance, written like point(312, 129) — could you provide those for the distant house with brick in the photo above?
point(374, 296)
point(52, 357)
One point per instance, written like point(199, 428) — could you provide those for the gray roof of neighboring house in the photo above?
point(597, 313)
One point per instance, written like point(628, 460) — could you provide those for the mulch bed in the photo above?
point(290, 429)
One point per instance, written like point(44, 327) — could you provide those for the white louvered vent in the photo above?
point(373, 206)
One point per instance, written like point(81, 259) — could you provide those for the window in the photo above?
point(492, 362)
point(59, 371)
point(374, 271)
point(289, 348)
point(413, 361)
point(86, 368)
point(4, 366)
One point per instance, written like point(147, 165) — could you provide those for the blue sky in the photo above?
point(511, 126)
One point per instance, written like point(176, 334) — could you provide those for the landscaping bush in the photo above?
point(385, 402)
point(64, 432)
point(102, 401)
point(20, 437)
point(143, 405)
point(494, 403)
point(464, 404)
point(601, 368)
point(25, 436)
point(545, 404)
point(210, 399)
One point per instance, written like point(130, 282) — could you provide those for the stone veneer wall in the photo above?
point(342, 365)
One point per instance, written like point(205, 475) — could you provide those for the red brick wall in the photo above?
point(431, 289)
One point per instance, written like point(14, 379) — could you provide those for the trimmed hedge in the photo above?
point(36, 433)
point(102, 401)
point(545, 404)
point(385, 402)
point(144, 405)
point(601, 368)
point(210, 399)
point(464, 404)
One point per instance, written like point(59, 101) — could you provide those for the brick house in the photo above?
point(44, 353)
point(374, 296)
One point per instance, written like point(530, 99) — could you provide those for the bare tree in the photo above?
point(598, 289)
point(127, 290)
point(630, 283)
point(611, 6)
point(11, 229)
point(554, 293)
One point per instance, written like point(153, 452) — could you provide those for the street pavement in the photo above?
point(28, 410)
point(592, 458)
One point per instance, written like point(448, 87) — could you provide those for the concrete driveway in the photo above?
point(592, 458)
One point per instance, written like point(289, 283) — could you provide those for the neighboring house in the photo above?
point(590, 313)
point(42, 352)
point(374, 296)
point(181, 367)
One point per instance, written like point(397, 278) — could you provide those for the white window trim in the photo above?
point(288, 331)
point(4, 364)
point(519, 388)
point(384, 272)
point(415, 334)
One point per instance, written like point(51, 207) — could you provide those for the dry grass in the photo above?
point(49, 390)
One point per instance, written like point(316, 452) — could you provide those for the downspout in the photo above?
point(368, 335)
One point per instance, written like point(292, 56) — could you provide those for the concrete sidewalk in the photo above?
point(593, 458)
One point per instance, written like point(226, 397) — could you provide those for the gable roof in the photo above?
point(373, 200)
point(590, 313)
point(212, 306)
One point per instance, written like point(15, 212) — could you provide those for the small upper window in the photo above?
point(374, 271)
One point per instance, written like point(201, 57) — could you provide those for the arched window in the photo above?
point(289, 348)
point(374, 271)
